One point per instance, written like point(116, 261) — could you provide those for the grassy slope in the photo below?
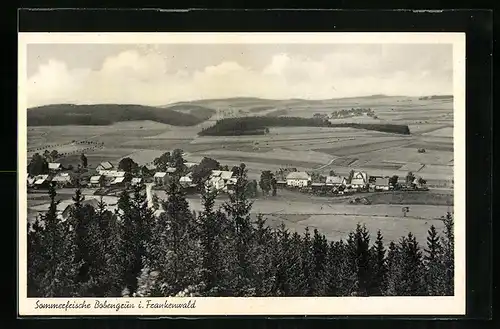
point(106, 114)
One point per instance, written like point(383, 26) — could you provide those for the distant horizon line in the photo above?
point(247, 97)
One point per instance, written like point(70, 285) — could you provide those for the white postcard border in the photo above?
point(454, 305)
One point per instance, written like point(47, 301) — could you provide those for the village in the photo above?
point(109, 180)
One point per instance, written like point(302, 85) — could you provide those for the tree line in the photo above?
point(220, 251)
point(259, 125)
point(107, 114)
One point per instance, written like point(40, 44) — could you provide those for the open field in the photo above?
point(306, 148)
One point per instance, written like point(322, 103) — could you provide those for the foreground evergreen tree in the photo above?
point(51, 255)
point(320, 255)
point(435, 276)
point(174, 252)
point(136, 221)
point(238, 211)
point(107, 245)
point(378, 285)
point(448, 242)
point(359, 255)
point(263, 244)
point(394, 269)
point(211, 230)
point(412, 279)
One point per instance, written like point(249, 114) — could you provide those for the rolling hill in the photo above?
point(107, 114)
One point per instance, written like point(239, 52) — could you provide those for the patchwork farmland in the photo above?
point(319, 149)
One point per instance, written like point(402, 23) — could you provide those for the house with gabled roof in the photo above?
point(160, 178)
point(298, 179)
point(63, 179)
point(106, 165)
point(336, 181)
point(55, 166)
point(96, 181)
point(41, 181)
point(358, 183)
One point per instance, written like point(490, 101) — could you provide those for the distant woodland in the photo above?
point(107, 114)
point(259, 125)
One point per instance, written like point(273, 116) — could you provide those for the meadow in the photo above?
point(340, 149)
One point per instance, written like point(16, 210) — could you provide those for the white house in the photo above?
point(41, 180)
point(358, 183)
point(361, 175)
point(160, 178)
point(118, 181)
point(298, 179)
point(96, 181)
point(62, 179)
point(112, 173)
point(55, 166)
point(219, 179)
point(335, 181)
point(171, 170)
point(380, 184)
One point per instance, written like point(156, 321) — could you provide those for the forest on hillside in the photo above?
point(259, 125)
point(107, 114)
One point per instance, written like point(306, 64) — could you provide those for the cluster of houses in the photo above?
point(359, 181)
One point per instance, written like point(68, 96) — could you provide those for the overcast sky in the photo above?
point(161, 74)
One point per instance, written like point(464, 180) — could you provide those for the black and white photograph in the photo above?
point(161, 171)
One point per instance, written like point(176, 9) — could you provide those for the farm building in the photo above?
point(55, 166)
point(96, 181)
point(219, 179)
point(160, 178)
point(380, 184)
point(41, 181)
point(104, 166)
point(361, 175)
point(118, 181)
point(62, 179)
point(336, 181)
point(357, 183)
point(298, 179)
point(112, 173)
point(136, 181)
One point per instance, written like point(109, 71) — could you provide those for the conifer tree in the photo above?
point(320, 254)
point(263, 244)
point(378, 285)
point(283, 272)
point(358, 249)
point(107, 245)
point(238, 211)
point(433, 261)
point(448, 243)
point(174, 254)
point(211, 246)
point(393, 269)
point(35, 257)
point(131, 249)
point(412, 283)
point(334, 269)
point(308, 265)
point(56, 271)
